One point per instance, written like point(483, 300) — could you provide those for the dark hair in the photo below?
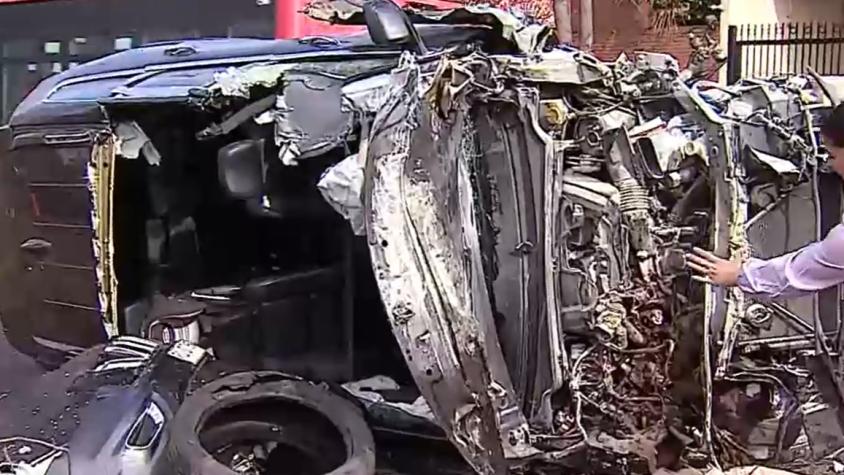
point(833, 128)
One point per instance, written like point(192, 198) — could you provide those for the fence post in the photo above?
point(733, 55)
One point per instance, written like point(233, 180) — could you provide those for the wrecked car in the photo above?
point(494, 226)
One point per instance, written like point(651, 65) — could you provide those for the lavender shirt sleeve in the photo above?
point(815, 267)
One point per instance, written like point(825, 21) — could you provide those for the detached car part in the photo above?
point(106, 411)
point(264, 423)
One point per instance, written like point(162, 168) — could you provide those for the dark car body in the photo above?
point(106, 411)
point(50, 298)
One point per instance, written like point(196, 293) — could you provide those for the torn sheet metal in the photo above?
point(831, 87)
point(777, 164)
point(310, 117)
point(241, 82)
point(238, 82)
point(723, 308)
point(101, 186)
point(316, 113)
point(334, 11)
point(369, 390)
point(417, 202)
point(560, 66)
point(367, 95)
point(667, 144)
point(132, 141)
point(341, 186)
point(528, 38)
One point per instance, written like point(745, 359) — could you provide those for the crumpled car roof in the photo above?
point(96, 79)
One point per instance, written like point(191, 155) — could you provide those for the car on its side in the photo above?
point(487, 229)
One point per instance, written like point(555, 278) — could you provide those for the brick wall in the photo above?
point(674, 42)
point(623, 26)
point(618, 26)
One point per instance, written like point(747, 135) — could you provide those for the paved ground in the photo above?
point(16, 369)
point(397, 456)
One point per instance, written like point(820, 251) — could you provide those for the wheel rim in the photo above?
point(292, 440)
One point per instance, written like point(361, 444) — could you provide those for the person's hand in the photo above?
point(718, 271)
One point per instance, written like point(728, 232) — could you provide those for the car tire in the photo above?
point(326, 432)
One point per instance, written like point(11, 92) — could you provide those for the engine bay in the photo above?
point(610, 174)
point(645, 185)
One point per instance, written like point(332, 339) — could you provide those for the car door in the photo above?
point(49, 297)
point(470, 315)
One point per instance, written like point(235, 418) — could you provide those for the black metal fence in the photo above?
point(766, 50)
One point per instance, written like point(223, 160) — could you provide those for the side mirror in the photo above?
point(388, 25)
point(240, 168)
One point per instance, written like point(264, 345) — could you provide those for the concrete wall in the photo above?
point(778, 11)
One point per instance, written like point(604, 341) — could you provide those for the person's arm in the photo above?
point(815, 267)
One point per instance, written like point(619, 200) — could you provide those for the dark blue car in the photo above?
point(132, 209)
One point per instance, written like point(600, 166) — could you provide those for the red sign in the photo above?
point(290, 23)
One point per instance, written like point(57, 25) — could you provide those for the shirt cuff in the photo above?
point(743, 282)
